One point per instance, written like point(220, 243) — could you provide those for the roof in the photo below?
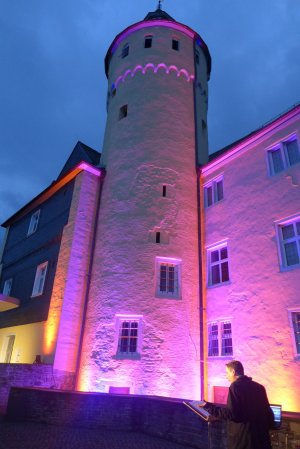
point(81, 152)
point(159, 14)
point(257, 131)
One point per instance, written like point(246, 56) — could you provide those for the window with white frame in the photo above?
point(168, 277)
point(213, 191)
point(7, 287)
point(283, 155)
point(288, 233)
point(39, 281)
point(295, 322)
point(34, 221)
point(129, 334)
point(219, 339)
point(218, 264)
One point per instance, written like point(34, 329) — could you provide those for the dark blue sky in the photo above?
point(53, 86)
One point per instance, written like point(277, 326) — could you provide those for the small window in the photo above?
point(168, 281)
point(157, 238)
point(219, 339)
point(288, 233)
point(204, 125)
point(213, 192)
point(197, 59)
point(113, 90)
point(284, 155)
point(148, 42)
point(129, 335)
point(7, 287)
point(218, 269)
point(34, 221)
point(39, 281)
point(123, 111)
point(125, 51)
point(164, 191)
point(295, 321)
point(175, 44)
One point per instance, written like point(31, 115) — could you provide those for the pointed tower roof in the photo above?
point(159, 14)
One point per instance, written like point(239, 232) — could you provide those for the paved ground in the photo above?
point(41, 436)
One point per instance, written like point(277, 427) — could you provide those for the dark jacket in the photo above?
point(248, 414)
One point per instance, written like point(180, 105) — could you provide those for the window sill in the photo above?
point(221, 284)
point(167, 296)
point(127, 356)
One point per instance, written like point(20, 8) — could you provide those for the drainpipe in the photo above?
point(87, 290)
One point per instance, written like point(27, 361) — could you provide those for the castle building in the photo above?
point(145, 269)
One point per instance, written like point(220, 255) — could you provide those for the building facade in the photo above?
point(147, 270)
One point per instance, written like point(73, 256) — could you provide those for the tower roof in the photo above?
point(159, 14)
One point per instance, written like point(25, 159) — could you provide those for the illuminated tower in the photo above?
point(142, 329)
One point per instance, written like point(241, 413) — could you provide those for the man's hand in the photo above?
point(201, 403)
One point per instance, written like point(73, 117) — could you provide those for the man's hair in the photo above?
point(236, 366)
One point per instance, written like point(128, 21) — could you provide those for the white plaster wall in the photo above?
point(153, 146)
point(259, 294)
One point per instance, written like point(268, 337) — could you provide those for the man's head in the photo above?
point(234, 369)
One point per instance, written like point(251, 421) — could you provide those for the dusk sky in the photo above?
point(53, 86)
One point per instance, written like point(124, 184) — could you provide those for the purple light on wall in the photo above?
point(155, 68)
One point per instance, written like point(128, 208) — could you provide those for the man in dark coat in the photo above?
point(248, 411)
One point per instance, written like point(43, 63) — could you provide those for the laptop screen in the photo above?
point(276, 408)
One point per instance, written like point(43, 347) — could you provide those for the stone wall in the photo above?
point(32, 376)
point(161, 417)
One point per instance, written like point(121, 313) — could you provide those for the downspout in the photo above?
point(198, 185)
point(87, 290)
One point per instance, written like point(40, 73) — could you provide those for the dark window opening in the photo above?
point(197, 58)
point(157, 240)
point(123, 111)
point(148, 42)
point(204, 126)
point(125, 51)
point(175, 44)
point(164, 192)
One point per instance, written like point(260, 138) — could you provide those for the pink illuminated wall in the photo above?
point(259, 294)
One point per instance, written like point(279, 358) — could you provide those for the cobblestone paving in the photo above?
point(28, 435)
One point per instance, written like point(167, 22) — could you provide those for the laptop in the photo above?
point(276, 409)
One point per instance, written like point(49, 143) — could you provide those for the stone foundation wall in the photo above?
point(161, 417)
point(31, 375)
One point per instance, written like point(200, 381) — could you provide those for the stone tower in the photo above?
point(142, 329)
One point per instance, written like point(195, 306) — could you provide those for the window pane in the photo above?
point(287, 231)
point(292, 152)
point(291, 253)
point(215, 274)
point(225, 271)
point(208, 191)
point(219, 190)
point(163, 278)
point(224, 254)
point(296, 325)
point(277, 161)
point(298, 227)
point(213, 343)
point(125, 51)
point(214, 256)
point(171, 283)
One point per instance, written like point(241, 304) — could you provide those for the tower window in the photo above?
point(164, 191)
point(123, 111)
point(168, 284)
point(157, 239)
point(148, 42)
point(175, 44)
point(197, 57)
point(128, 335)
point(125, 51)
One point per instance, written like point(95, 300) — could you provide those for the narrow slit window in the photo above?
point(164, 192)
point(125, 51)
point(123, 111)
point(148, 42)
point(175, 44)
point(157, 240)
